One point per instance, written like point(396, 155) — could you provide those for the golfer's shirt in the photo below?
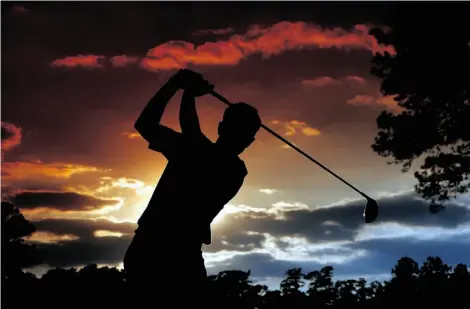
point(197, 182)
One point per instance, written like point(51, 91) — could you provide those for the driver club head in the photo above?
point(371, 211)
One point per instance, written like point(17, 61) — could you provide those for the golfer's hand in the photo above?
point(193, 83)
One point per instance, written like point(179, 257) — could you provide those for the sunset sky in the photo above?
point(76, 76)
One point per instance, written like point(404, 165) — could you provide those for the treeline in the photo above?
point(432, 283)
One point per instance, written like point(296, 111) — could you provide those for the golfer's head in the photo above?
point(239, 126)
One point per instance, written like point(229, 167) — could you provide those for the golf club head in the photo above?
point(371, 211)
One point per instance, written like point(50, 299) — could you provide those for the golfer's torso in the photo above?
point(189, 181)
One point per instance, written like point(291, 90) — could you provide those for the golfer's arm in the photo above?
point(148, 122)
point(189, 120)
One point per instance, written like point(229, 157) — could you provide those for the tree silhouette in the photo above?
point(434, 283)
point(233, 288)
point(15, 253)
point(433, 276)
point(321, 289)
point(430, 79)
point(290, 287)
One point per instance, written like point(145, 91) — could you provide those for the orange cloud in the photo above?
point(294, 126)
point(11, 136)
point(85, 61)
point(273, 40)
point(362, 99)
point(46, 237)
point(310, 131)
point(178, 54)
point(27, 170)
point(369, 100)
point(105, 233)
point(321, 82)
point(214, 31)
point(156, 64)
point(123, 60)
point(390, 102)
point(356, 79)
point(269, 41)
point(131, 135)
point(324, 81)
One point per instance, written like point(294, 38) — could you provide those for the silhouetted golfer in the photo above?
point(199, 179)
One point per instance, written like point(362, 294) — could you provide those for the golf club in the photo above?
point(371, 210)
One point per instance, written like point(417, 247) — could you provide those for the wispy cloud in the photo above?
point(84, 61)
point(293, 127)
point(268, 191)
point(369, 100)
point(33, 169)
point(269, 41)
point(11, 136)
point(45, 237)
point(123, 60)
point(321, 82)
point(131, 135)
point(324, 81)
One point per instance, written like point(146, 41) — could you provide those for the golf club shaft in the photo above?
point(224, 100)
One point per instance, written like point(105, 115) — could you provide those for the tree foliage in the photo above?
point(429, 76)
point(432, 283)
point(15, 253)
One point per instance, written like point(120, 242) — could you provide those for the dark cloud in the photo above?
point(260, 264)
point(340, 222)
point(235, 241)
point(84, 229)
point(87, 248)
point(377, 256)
point(381, 257)
point(64, 201)
point(103, 250)
point(385, 252)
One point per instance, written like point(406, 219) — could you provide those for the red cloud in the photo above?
point(177, 54)
point(324, 81)
point(123, 60)
point(321, 82)
point(214, 31)
point(278, 38)
point(369, 100)
point(85, 61)
point(356, 79)
point(154, 64)
point(281, 37)
point(11, 136)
